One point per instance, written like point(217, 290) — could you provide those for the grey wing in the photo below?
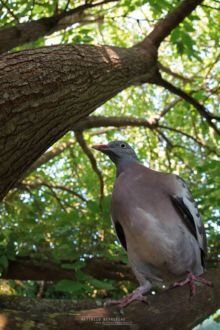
point(188, 210)
point(120, 233)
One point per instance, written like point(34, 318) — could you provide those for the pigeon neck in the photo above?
point(122, 164)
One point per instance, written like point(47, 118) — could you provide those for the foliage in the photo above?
point(44, 217)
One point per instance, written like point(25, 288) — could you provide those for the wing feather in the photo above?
point(120, 233)
point(189, 212)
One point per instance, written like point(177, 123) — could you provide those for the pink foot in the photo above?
point(123, 302)
point(191, 280)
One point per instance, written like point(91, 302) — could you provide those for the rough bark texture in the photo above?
point(46, 90)
point(171, 309)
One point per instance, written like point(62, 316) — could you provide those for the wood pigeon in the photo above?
point(157, 222)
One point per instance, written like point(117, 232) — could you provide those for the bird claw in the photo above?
point(125, 301)
point(191, 280)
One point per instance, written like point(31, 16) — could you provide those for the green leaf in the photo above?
point(68, 286)
point(101, 284)
point(175, 35)
point(187, 40)
point(188, 26)
point(4, 262)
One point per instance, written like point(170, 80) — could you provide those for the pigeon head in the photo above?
point(119, 152)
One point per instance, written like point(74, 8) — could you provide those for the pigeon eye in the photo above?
point(123, 145)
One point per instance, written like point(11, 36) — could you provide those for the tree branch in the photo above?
point(170, 22)
point(56, 197)
point(196, 140)
point(80, 139)
point(30, 31)
point(101, 121)
point(187, 97)
point(167, 108)
point(153, 124)
point(56, 151)
point(107, 122)
point(47, 156)
point(174, 74)
point(24, 268)
point(10, 11)
point(167, 304)
point(40, 182)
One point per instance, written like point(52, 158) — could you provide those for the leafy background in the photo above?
point(44, 217)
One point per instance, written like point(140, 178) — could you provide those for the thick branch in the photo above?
point(24, 268)
point(171, 21)
point(30, 31)
point(101, 121)
point(153, 124)
point(160, 314)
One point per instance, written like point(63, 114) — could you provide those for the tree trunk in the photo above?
point(171, 309)
point(45, 91)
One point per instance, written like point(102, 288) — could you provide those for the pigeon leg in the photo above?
point(191, 280)
point(135, 295)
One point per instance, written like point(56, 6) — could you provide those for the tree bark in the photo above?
point(171, 309)
point(46, 90)
point(24, 268)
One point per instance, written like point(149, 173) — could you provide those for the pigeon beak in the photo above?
point(101, 147)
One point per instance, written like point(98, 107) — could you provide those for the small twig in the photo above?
point(32, 8)
point(174, 74)
point(59, 187)
point(40, 183)
point(56, 7)
point(80, 139)
point(21, 186)
point(187, 97)
point(167, 108)
point(210, 7)
point(41, 289)
point(72, 192)
point(28, 186)
point(54, 194)
point(212, 65)
point(170, 145)
point(10, 11)
point(168, 142)
point(67, 5)
point(198, 141)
